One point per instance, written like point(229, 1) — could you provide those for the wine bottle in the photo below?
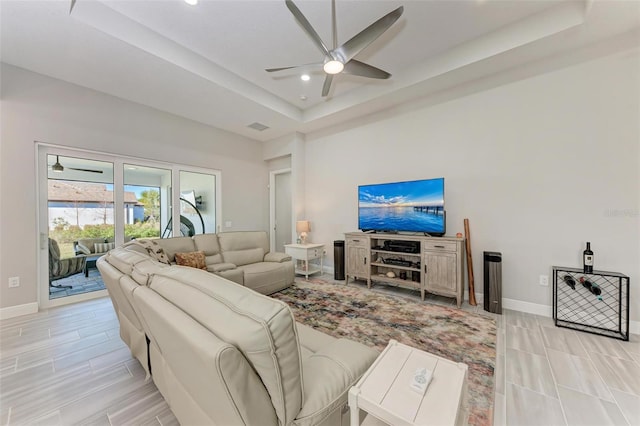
point(587, 259)
point(570, 281)
point(592, 287)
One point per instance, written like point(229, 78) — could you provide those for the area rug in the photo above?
point(372, 318)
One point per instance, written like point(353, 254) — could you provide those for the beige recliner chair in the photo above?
point(223, 354)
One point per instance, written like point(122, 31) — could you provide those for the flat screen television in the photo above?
point(412, 206)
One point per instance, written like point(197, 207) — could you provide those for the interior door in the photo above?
point(282, 202)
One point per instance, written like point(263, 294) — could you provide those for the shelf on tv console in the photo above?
point(395, 253)
point(389, 265)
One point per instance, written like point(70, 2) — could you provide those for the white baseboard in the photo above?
point(18, 310)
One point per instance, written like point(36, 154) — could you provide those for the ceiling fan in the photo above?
point(59, 168)
point(340, 59)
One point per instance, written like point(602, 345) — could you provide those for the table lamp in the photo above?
point(302, 227)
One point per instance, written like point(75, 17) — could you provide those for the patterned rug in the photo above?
point(372, 318)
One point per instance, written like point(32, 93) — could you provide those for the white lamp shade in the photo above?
point(303, 226)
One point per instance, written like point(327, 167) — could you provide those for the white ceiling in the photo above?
point(206, 62)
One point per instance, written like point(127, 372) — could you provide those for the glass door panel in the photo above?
point(197, 203)
point(80, 206)
point(147, 212)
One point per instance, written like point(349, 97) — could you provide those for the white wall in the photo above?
point(539, 166)
point(38, 108)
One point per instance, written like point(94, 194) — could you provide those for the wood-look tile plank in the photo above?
point(8, 366)
point(520, 319)
point(500, 410)
point(583, 409)
point(42, 344)
point(98, 327)
point(111, 358)
point(578, 373)
point(500, 374)
point(61, 324)
point(564, 340)
point(618, 373)
point(530, 371)
point(59, 349)
point(528, 408)
point(603, 345)
point(50, 419)
point(633, 345)
point(110, 398)
point(167, 418)
point(86, 354)
point(629, 405)
point(62, 392)
point(22, 380)
point(525, 339)
point(139, 409)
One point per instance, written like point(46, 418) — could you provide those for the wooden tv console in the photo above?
point(429, 264)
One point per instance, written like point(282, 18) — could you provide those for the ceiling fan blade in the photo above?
point(355, 67)
point(307, 27)
point(327, 85)
point(334, 26)
point(73, 3)
point(316, 64)
point(85, 170)
point(351, 48)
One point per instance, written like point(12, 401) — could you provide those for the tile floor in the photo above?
point(67, 365)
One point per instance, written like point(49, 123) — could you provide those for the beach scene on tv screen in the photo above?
point(416, 206)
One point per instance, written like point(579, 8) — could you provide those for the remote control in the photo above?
point(420, 380)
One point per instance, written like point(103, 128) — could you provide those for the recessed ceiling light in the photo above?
point(305, 77)
point(191, 2)
point(303, 98)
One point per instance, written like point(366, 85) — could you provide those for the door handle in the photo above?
point(365, 260)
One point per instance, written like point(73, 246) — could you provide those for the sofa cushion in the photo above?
point(329, 373)
point(265, 277)
point(263, 329)
point(209, 244)
point(143, 270)
point(244, 257)
point(87, 245)
point(194, 259)
point(123, 260)
point(175, 245)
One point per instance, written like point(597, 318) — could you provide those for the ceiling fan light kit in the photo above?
point(333, 67)
point(341, 58)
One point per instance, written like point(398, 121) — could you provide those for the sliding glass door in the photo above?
point(91, 202)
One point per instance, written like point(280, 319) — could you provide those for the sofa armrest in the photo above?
point(219, 267)
point(328, 375)
point(274, 256)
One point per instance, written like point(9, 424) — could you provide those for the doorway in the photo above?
point(280, 202)
point(91, 202)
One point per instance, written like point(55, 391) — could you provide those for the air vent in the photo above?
point(258, 126)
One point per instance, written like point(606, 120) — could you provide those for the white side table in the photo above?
point(384, 391)
point(305, 253)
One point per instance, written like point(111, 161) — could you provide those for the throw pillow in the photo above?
point(104, 247)
point(153, 249)
point(194, 259)
point(83, 249)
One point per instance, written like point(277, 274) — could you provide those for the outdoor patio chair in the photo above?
point(62, 268)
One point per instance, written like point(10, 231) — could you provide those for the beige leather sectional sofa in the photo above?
point(222, 353)
point(242, 257)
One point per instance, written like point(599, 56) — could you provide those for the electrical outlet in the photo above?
point(14, 282)
point(544, 280)
point(227, 224)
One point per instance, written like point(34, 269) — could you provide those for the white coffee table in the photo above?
point(384, 391)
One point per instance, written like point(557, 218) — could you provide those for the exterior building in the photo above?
point(88, 203)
